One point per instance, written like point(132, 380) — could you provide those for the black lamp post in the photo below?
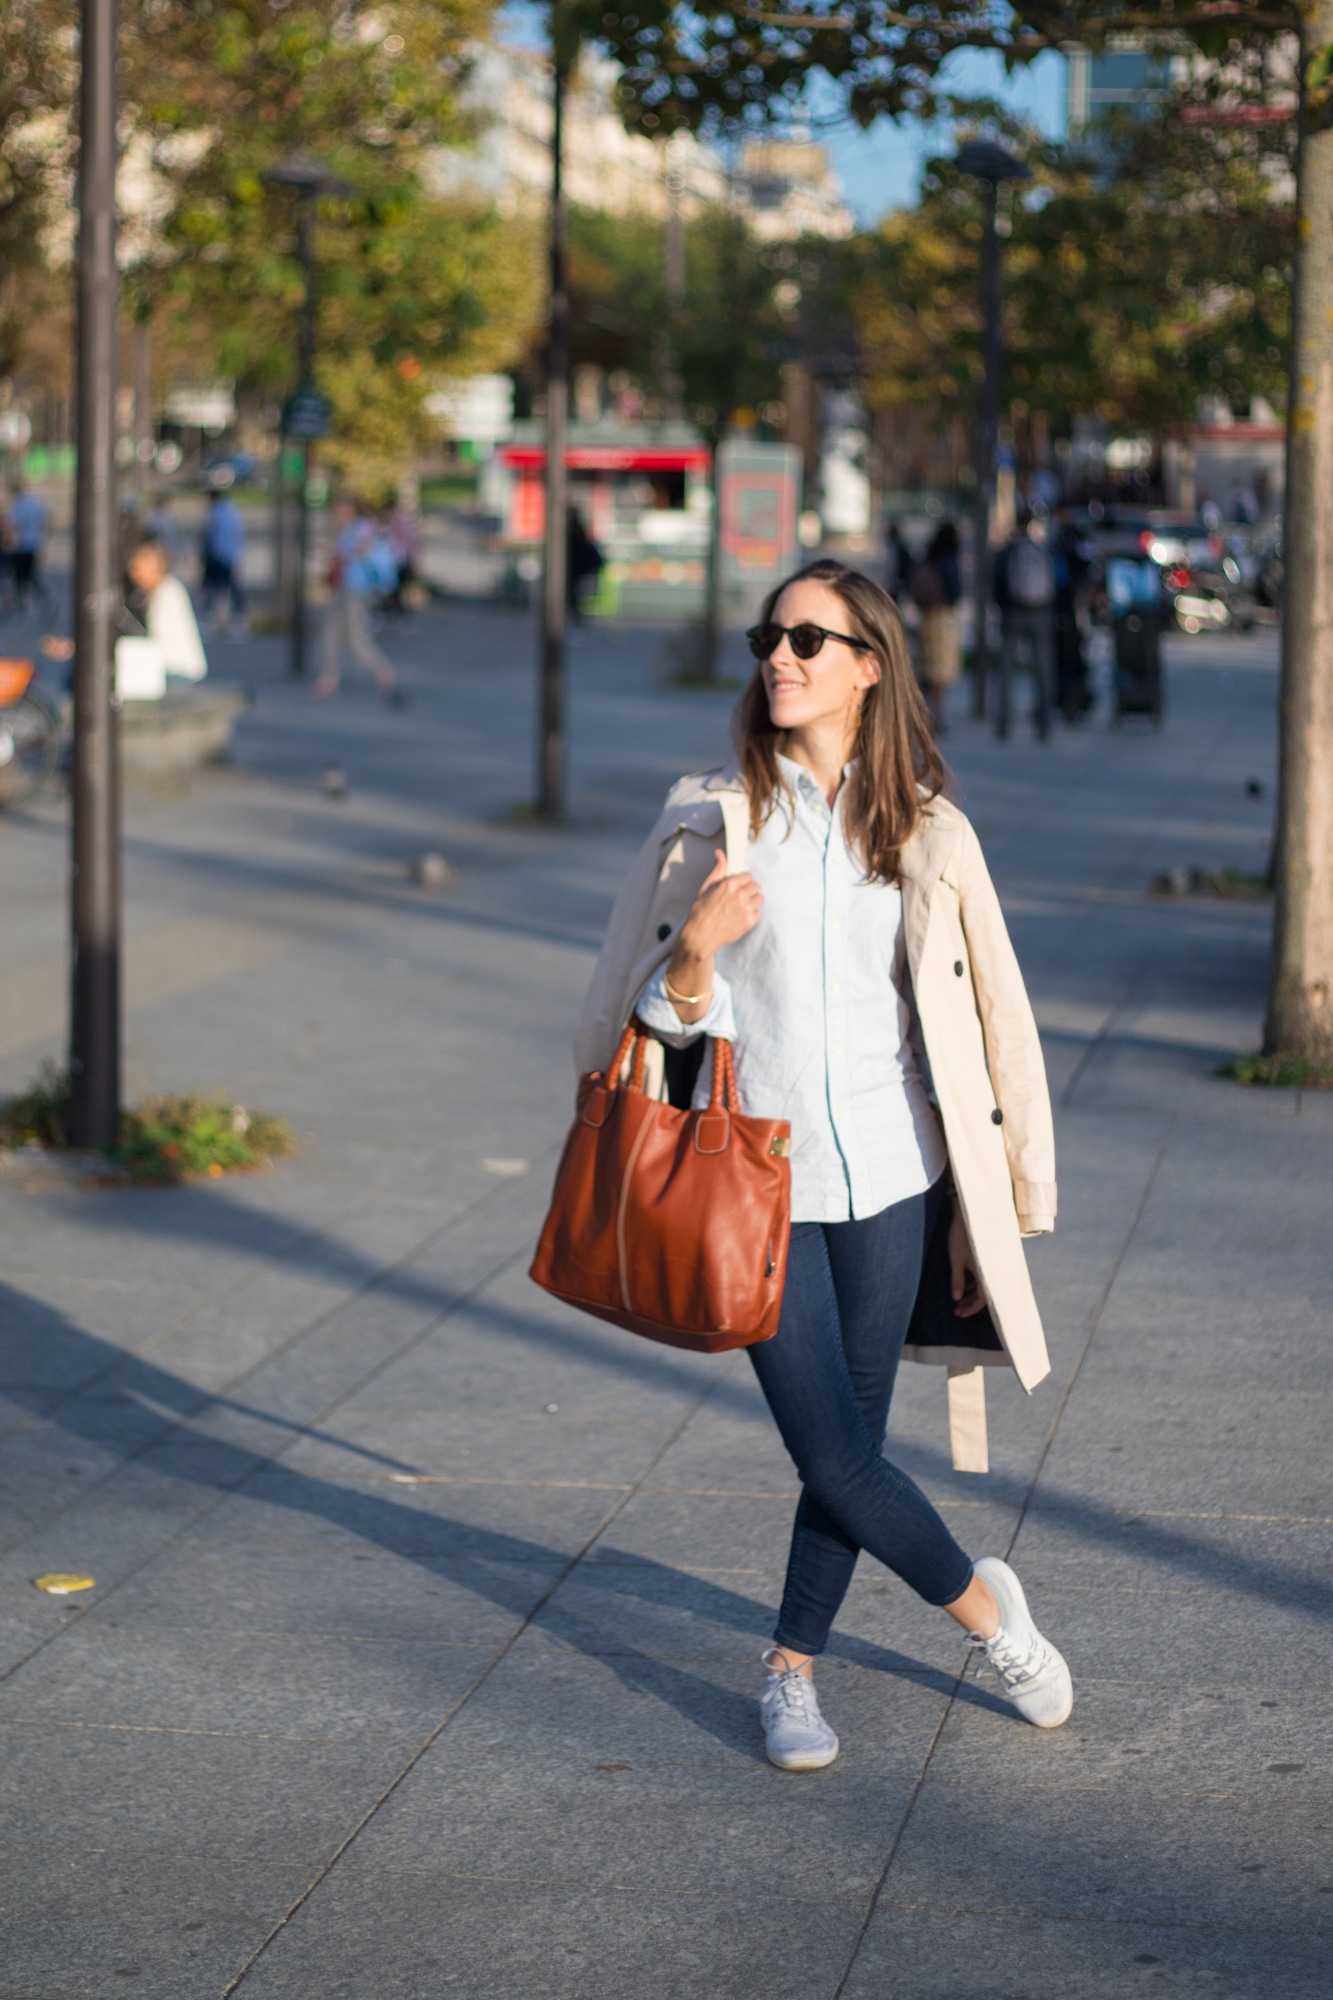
point(94, 1041)
point(990, 164)
point(306, 413)
point(551, 650)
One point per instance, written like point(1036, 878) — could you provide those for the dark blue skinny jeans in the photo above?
point(827, 1376)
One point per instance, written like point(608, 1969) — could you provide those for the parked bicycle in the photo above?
point(29, 734)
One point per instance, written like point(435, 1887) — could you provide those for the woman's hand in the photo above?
point(726, 907)
point(965, 1285)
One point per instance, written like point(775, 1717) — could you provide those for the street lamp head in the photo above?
point(307, 176)
point(983, 160)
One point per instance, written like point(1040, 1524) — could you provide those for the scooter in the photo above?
point(1209, 600)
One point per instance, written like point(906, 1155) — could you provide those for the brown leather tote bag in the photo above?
point(672, 1223)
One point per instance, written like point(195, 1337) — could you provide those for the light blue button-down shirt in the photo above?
point(817, 1000)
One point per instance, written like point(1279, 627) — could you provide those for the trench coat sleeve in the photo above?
point(1013, 1047)
point(600, 1020)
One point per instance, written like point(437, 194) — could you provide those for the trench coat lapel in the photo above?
point(922, 862)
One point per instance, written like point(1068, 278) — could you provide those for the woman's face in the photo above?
point(828, 687)
point(147, 567)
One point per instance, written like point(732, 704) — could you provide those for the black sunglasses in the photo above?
point(806, 640)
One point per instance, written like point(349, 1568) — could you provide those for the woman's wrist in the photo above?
point(688, 976)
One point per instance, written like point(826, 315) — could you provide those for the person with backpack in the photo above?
point(898, 564)
point(1072, 557)
point(937, 587)
point(362, 567)
point(1023, 585)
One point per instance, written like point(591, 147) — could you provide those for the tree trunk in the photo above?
point(1300, 1012)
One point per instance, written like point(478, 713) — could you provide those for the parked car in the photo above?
point(1213, 579)
point(233, 468)
point(1167, 537)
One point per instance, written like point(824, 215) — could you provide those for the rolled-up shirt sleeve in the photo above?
point(656, 1012)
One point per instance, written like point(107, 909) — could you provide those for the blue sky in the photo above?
point(881, 168)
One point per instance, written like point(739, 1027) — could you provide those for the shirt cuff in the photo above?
point(656, 1012)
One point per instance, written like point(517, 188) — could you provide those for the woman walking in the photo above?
point(937, 588)
point(856, 956)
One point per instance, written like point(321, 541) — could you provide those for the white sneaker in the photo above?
point(796, 1736)
point(1035, 1677)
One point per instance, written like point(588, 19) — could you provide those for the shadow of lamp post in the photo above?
point(306, 413)
point(982, 160)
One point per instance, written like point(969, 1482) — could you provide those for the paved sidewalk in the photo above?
point(423, 1652)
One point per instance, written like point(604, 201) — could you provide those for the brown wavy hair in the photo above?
point(898, 767)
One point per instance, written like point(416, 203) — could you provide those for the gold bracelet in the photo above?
point(684, 999)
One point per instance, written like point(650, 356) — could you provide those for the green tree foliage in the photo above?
point(1144, 269)
point(719, 349)
point(414, 280)
point(617, 292)
point(37, 77)
point(710, 66)
point(1157, 272)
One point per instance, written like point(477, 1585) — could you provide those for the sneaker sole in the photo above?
point(802, 1760)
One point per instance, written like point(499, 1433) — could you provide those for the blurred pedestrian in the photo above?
point(161, 525)
point(583, 565)
point(937, 589)
point(29, 519)
point(400, 534)
point(223, 552)
point(1023, 585)
point(898, 564)
point(1072, 559)
point(168, 614)
point(355, 578)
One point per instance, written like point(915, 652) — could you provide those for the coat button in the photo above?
point(663, 933)
point(958, 967)
point(997, 1116)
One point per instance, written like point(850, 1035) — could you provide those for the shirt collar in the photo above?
point(802, 783)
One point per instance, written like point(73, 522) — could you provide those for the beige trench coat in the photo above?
point(980, 1039)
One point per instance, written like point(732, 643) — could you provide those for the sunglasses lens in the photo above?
point(806, 641)
point(763, 639)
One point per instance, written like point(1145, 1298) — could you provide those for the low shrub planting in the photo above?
point(175, 1136)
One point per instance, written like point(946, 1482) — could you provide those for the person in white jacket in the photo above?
point(169, 614)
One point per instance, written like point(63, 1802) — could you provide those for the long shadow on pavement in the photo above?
point(131, 1395)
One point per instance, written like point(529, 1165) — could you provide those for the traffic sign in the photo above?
point(306, 413)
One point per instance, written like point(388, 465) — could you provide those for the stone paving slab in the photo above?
point(159, 1925)
point(1274, 1557)
point(387, 1540)
point(558, 1944)
point(915, 1953)
point(1158, 1857)
point(1172, 1739)
point(172, 1791)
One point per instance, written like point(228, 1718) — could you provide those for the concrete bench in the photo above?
point(190, 726)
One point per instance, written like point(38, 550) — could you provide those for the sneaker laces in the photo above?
point(793, 1690)
point(1013, 1661)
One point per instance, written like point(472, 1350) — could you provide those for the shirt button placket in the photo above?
point(837, 889)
